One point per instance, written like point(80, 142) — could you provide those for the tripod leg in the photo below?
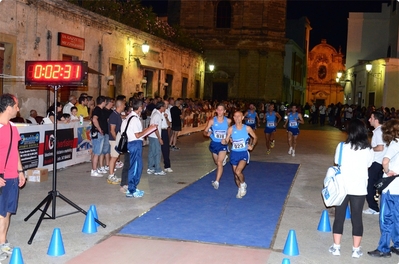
point(78, 208)
point(38, 207)
point(49, 199)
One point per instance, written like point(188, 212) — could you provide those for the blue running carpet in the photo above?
point(201, 213)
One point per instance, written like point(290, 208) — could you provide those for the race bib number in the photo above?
point(293, 123)
point(239, 144)
point(251, 121)
point(270, 124)
point(220, 134)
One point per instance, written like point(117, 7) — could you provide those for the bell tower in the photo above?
point(245, 40)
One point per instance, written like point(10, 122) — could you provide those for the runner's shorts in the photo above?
point(294, 131)
point(237, 156)
point(216, 147)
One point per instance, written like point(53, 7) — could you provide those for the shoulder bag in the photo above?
point(122, 143)
point(334, 191)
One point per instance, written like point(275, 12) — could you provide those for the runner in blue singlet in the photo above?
point(293, 120)
point(270, 128)
point(251, 117)
point(216, 129)
point(238, 135)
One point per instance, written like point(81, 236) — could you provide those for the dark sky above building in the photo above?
point(328, 18)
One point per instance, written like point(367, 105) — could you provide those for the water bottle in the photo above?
point(81, 120)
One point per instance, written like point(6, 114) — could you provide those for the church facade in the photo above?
point(324, 63)
point(244, 40)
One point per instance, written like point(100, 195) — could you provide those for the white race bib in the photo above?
point(251, 121)
point(239, 144)
point(293, 123)
point(220, 134)
point(270, 124)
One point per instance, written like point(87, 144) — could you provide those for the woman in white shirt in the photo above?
point(357, 156)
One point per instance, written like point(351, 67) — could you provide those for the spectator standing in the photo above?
point(114, 122)
point(99, 132)
point(166, 122)
point(357, 156)
point(177, 116)
point(13, 172)
point(375, 171)
point(322, 112)
point(389, 213)
point(135, 146)
point(155, 141)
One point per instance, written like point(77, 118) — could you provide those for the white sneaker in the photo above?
point(94, 173)
point(215, 184)
point(102, 170)
point(112, 179)
point(160, 173)
point(168, 170)
point(357, 252)
point(293, 153)
point(370, 211)
point(239, 194)
point(3, 256)
point(123, 189)
point(106, 168)
point(6, 248)
point(150, 171)
point(335, 251)
point(119, 164)
point(290, 150)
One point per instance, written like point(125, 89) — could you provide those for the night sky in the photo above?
point(328, 18)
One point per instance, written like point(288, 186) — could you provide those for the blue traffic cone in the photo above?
point(56, 247)
point(286, 261)
point(291, 245)
point(324, 223)
point(348, 213)
point(16, 257)
point(95, 215)
point(89, 226)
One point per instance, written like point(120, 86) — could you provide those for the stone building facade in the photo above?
point(244, 40)
point(30, 30)
point(323, 66)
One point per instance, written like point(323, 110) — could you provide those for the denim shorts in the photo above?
point(9, 197)
point(98, 144)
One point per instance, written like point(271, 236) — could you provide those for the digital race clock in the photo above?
point(56, 73)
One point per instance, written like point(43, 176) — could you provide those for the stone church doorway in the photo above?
point(220, 91)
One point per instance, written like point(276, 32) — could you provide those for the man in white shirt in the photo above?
point(166, 122)
point(155, 140)
point(32, 117)
point(67, 107)
point(375, 171)
point(135, 146)
point(322, 112)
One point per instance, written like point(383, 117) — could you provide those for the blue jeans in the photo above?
point(389, 222)
point(135, 148)
point(154, 155)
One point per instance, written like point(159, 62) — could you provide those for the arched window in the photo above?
point(223, 19)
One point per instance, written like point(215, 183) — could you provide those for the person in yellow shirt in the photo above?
point(82, 107)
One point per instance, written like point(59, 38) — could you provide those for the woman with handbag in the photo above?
point(389, 206)
point(357, 156)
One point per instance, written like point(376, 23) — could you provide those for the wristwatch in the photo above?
point(19, 171)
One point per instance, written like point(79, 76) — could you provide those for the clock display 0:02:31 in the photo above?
point(54, 72)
